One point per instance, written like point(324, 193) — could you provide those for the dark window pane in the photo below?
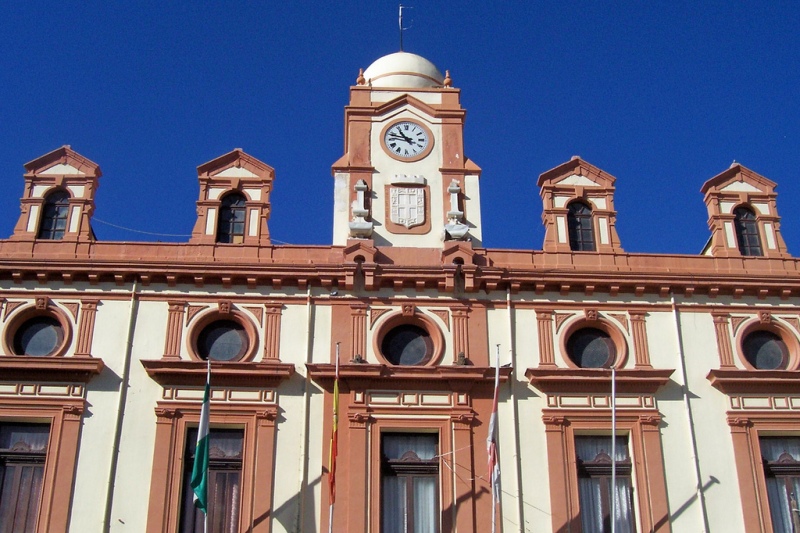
point(232, 211)
point(22, 457)
point(409, 483)
point(38, 336)
point(747, 234)
point(591, 348)
point(224, 482)
point(595, 491)
point(54, 216)
point(579, 221)
point(765, 350)
point(407, 345)
point(781, 457)
point(223, 340)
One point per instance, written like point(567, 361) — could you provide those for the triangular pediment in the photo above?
point(61, 169)
point(577, 173)
point(738, 179)
point(236, 165)
point(577, 179)
point(63, 161)
point(406, 100)
point(236, 172)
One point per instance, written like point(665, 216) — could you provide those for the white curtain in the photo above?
point(590, 488)
point(394, 446)
point(424, 505)
point(394, 505)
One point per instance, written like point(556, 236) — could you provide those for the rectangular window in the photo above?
point(23, 449)
point(224, 482)
point(594, 484)
point(409, 483)
point(781, 456)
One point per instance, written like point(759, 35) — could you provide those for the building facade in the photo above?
point(103, 350)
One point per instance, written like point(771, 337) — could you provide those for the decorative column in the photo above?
point(357, 480)
point(83, 346)
point(460, 335)
point(722, 329)
point(158, 509)
point(464, 490)
point(544, 322)
point(272, 333)
point(264, 470)
point(172, 344)
point(747, 470)
point(358, 314)
point(558, 460)
point(641, 351)
point(65, 431)
point(651, 478)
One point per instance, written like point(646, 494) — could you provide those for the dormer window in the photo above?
point(54, 216)
point(581, 232)
point(231, 219)
point(747, 232)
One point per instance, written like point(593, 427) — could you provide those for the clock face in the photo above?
point(406, 140)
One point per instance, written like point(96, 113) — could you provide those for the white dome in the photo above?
point(402, 69)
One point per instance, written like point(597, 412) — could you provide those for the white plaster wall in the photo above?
point(472, 192)
point(300, 442)
point(715, 451)
point(129, 511)
point(341, 208)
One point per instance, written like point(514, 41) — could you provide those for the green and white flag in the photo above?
point(200, 469)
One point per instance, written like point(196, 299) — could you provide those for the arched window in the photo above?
point(54, 216)
point(581, 234)
point(231, 219)
point(747, 231)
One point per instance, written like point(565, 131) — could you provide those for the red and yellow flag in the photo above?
point(334, 434)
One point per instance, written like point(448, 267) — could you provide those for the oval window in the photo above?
point(38, 336)
point(222, 340)
point(591, 348)
point(765, 350)
point(407, 345)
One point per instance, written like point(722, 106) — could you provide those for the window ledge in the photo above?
point(744, 381)
point(224, 374)
point(50, 368)
point(360, 376)
point(642, 381)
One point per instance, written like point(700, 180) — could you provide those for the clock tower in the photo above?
point(403, 180)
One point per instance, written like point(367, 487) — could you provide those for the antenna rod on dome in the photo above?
point(400, 23)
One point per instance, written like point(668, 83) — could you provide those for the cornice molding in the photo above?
point(735, 381)
point(49, 369)
point(366, 376)
point(172, 372)
point(639, 381)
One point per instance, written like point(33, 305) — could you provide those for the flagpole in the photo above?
point(334, 445)
point(494, 467)
point(613, 449)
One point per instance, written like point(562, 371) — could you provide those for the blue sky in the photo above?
point(662, 95)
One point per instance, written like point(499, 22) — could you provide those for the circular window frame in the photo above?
point(31, 312)
point(422, 155)
point(786, 335)
point(419, 320)
point(610, 329)
point(205, 320)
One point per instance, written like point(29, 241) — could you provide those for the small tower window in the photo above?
point(747, 231)
point(54, 216)
point(581, 234)
point(231, 219)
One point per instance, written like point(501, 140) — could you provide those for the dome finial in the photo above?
point(448, 82)
point(360, 79)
